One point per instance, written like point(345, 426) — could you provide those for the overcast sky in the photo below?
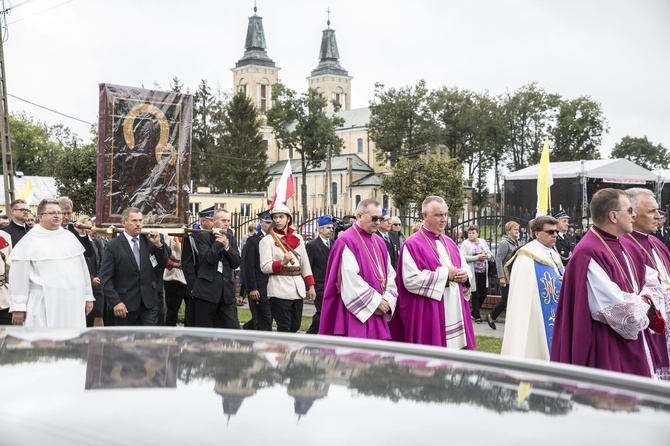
point(615, 51)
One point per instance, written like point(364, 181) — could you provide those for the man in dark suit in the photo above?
point(384, 229)
point(662, 233)
point(189, 263)
point(127, 272)
point(565, 243)
point(214, 302)
point(255, 280)
point(317, 252)
point(17, 225)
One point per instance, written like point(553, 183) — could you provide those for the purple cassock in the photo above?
point(581, 340)
point(336, 318)
point(419, 319)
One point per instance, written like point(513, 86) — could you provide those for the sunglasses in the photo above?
point(550, 231)
point(376, 218)
point(396, 224)
point(629, 210)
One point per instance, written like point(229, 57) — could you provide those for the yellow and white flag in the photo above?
point(26, 192)
point(544, 182)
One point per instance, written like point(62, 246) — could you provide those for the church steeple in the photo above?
point(329, 78)
point(329, 55)
point(254, 44)
point(255, 73)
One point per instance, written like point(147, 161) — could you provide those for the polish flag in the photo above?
point(285, 188)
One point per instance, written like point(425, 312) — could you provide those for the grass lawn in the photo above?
point(484, 343)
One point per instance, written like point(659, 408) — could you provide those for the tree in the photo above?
point(578, 130)
point(527, 115)
point(300, 123)
point(464, 121)
point(641, 151)
point(75, 173)
point(412, 180)
point(243, 163)
point(34, 152)
point(401, 123)
point(205, 105)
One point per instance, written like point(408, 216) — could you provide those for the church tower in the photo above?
point(255, 73)
point(329, 78)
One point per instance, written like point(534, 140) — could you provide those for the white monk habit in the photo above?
point(49, 279)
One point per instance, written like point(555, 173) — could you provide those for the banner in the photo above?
point(144, 154)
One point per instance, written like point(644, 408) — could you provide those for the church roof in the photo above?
point(373, 180)
point(329, 55)
point(337, 163)
point(254, 45)
point(354, 118)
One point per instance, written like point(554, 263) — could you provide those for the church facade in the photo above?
point(350, 177)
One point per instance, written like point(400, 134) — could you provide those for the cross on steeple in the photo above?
point(328, 11)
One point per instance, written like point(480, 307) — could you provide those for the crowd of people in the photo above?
point(606, 309)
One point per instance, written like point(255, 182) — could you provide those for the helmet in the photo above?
point(280, 208)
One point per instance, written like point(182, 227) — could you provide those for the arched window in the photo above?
point(333, 190)
point(359, 145)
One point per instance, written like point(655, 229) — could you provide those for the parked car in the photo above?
point(168, 386)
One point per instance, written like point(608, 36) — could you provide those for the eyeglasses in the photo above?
point(52, 213)
point(550, 231)
point(376, 218)
point(21, 210)
point(629, 210)
point(396, 224)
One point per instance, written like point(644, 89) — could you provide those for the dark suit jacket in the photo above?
point(664, 236)
point(392, 249)
point(565, 246)
point(254, 278)
point(317, 253)
point(15, 231)
point(123, 281)
point(212, 285)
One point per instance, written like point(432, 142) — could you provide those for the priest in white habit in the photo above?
point(49, 284)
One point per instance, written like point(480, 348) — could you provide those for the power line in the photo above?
point(39, 12)
point(49, 109)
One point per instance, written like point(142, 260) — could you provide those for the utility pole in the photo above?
point(7, 165)
point(329, 181)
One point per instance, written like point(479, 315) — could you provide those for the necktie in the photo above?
point(386, 237)
point(136, 251)
point(328, 244)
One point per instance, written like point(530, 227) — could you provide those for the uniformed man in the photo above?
point(565, 243)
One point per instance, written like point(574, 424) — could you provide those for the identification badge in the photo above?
point(220, 267)
point(153, 260)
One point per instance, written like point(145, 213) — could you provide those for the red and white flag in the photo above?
point(285, 188)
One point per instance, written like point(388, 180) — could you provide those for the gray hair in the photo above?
point(430, 199)
point(363, 205)
point(635, 193)
point(65, 202)
point(127, 211)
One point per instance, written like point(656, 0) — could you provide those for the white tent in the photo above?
point(617, 170)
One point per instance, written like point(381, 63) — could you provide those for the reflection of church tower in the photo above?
point(234, 392)
point(255, 73)
point(304, 396)
point(329, 78)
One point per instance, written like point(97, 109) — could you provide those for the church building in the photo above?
point(350, 177)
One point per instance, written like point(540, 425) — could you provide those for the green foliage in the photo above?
point(205, 107)
point(240, 147)
point(412, 180)
point(578, 130)
point(641, 151)
point(527, 113)
point(401, 123)
point(75, 174)
point(300, 123)
point(488, 344)
point(35, 146)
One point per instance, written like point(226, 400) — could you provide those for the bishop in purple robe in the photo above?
point(360, 287)
point(603, 308)
point(432, 272)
